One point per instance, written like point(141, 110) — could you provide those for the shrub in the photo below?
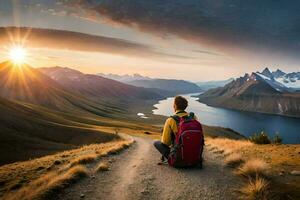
point(277, 139)
point(261, 138)
point(256, 189)
point(48, 185)
point(252, 168)
point(84, 159)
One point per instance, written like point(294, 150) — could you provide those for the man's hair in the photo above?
point(180, 102)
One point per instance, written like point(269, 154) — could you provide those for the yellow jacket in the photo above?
point(170, 128)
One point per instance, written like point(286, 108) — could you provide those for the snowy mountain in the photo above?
point(281, 81)
point(124, 78)
point(268, 92)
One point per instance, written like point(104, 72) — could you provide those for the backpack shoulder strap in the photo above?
point(176, 118)
point(192, 115)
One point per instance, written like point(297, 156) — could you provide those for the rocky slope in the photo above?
point(258, 92)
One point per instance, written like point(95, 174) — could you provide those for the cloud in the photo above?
point(207, 52)
point(226, 24)
point(61, 39)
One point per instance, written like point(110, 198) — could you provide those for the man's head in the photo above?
point(180, 103)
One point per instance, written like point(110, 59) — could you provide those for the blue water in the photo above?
point(245, 123)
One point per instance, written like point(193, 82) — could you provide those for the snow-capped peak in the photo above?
point(280, 80)
point(278, 73)
point(266, 72)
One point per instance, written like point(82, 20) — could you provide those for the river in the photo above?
point(245, 123)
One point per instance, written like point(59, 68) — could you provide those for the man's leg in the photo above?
point(162, 148)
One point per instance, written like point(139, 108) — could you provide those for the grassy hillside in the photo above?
point(268, 170)
point(29, 131)
point(33, 178)
point(26, 84)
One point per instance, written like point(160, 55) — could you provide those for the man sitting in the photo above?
point(171, 128)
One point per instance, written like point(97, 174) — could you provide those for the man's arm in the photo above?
point(166, 136)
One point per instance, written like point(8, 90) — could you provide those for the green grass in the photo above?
point(25, 128)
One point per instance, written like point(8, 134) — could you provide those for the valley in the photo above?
point(154, 100)
point(39, 112)
point(77, 121)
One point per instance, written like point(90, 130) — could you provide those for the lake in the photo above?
point(245, 123)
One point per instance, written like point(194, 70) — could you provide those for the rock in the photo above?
point(82, 195)
point(40, 168)
point(295, 173)
point(57, 162)
point(281, 174)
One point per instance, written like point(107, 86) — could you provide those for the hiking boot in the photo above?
point(163, 162)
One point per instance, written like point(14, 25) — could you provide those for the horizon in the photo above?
point(149, 99)
point(133, 74)
point(146, 47)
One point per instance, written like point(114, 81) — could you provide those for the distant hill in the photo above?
point(97, 87)
point(173, 86)
point(124, 78)
point(213, 84)
point(27, 84)
point(168, 87)
point(59, 111)
point(267, 92)
point(28, 131)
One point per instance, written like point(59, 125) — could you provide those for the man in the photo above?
point(171, 128)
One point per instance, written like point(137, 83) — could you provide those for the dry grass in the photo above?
point(14, 177)
point(84, 159)
point(46, 185)
point(233, 160)
point(274, 161)
point(253, 168)
point(257, 189)
point(228, 145)
point(102, 167)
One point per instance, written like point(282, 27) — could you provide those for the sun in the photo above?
point(17, 55)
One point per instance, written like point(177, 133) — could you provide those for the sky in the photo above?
point(196, 40)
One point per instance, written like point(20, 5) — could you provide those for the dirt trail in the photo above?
point(134, 174)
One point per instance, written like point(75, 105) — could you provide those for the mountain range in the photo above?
point(124, 78)
point(29, 85)
point(55, 109)
point(97, 87)
point(170, 87)
point(267, 92)
point(213, 84)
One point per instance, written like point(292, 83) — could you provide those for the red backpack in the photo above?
point(188, 142)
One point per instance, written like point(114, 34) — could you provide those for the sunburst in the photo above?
point(18, 55)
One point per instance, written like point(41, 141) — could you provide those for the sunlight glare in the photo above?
point(17, 55)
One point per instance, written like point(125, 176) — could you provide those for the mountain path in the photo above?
point(134, 174)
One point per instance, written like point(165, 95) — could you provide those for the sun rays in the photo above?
point(17, 55)
point(15, 47)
